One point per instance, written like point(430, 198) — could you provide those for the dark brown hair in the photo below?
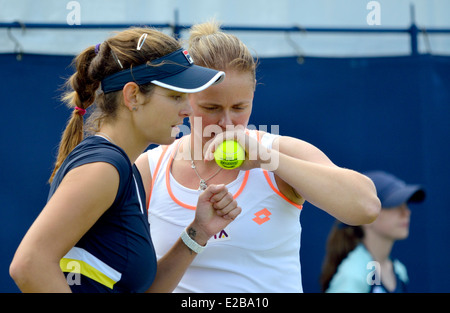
point(92, 66)
point(341, 241)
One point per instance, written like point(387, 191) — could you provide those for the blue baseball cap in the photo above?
point(393, 191)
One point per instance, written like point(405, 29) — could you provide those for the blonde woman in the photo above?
point(259, 251)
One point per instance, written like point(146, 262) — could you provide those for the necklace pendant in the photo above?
point(202, 185)
point(192, 164)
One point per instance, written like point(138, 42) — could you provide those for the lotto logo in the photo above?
point(262, 216)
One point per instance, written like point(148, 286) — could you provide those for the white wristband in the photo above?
point(191, 244)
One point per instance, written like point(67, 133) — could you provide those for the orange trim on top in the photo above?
point(156, 174)
point(169, 189)
point(244, 182)
point(266, 174)
point(182, 204)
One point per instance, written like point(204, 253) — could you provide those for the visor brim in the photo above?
point(193, 79)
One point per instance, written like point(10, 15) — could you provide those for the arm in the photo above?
point(216, 208)
point(83, 196)
point(343, 193)
point(309, 174)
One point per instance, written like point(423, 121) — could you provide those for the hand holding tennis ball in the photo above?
point(229, 154)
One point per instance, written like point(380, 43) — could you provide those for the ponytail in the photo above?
point(92, 66)
point(82, 96)
point(341, 241)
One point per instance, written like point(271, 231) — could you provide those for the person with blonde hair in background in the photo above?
point(358, 258)
point(259, 251)
point(93, 233)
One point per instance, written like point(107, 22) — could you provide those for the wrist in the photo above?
point(197, 233)
point(189, 238)
point(269, 160)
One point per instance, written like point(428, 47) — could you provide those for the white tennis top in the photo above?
point(257, 252)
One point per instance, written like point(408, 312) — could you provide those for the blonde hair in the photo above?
point(210, 47)
point(96, 63)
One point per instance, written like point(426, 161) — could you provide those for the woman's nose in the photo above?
point(405, 209)
point(187, 110)
point(225, 120)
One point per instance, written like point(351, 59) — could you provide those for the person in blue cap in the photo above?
point(358, 257)
point(93, 233)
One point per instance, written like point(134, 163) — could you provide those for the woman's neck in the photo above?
point(124, 139)
point(379, 247)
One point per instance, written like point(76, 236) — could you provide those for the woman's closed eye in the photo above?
point(178, 97)
point(239, 107)
point(211, 107)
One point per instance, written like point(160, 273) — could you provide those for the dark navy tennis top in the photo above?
point(116, 254)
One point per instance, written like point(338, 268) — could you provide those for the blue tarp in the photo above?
point(387, 113)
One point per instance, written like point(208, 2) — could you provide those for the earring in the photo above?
point(134, 108)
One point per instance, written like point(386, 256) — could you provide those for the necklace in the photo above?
point(105, 136)
point(202, 183)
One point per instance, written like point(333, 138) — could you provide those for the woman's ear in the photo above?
point(130, 95)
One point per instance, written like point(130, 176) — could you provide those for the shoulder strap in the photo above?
point(155, 173)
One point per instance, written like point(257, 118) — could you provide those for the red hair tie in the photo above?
point(80, 111)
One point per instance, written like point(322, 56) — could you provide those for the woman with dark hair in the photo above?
point(358, 258)
point(93, 234)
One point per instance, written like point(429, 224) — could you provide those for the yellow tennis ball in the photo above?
point(229, 154)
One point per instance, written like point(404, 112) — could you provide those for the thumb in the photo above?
point(210, 191)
